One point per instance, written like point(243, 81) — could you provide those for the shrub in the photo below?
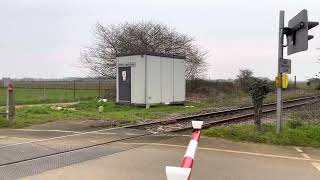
point(258, 90)
point(207, 87)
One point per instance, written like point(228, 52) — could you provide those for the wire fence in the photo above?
point(30, 92)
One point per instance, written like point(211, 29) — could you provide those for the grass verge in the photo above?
point(294, 133)
point(88, 110)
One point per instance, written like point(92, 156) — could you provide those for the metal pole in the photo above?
point(280, 56)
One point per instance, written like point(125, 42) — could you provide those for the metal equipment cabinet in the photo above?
point(151, 78)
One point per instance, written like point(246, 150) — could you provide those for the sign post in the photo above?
point(280, 57)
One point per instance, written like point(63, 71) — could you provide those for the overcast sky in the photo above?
point(43, 39)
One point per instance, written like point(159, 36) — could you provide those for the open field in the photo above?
point(36, 96)
point(213, 93)
point(36, 92)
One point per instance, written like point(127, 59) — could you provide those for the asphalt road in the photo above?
point(146, 158)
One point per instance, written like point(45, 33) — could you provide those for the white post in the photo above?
point(280, 56)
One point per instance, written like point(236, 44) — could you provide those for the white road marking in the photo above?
point(314, 164)
point(55, 130)
point(106, 133)
point(132, 134)
point(60, 137)
point(186, 135)
point(231, 151)
point(46, 130)
point(298, 149)
point(305, 155)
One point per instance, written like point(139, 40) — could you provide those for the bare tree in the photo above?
point(244, 78)
point(140, 37)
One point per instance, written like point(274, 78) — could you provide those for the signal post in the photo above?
point(297, 41)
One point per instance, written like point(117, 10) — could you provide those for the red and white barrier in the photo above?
point(184, 171)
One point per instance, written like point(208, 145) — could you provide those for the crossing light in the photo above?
point(297, 32)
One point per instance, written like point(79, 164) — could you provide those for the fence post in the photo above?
point(99, 90)
point(12, 105)
point(295, 82)
point(184, 171)
point(74, 90)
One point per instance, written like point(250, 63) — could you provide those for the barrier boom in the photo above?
point(184, 171)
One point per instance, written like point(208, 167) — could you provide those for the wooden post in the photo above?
point(74, 90)
point(295, 82)
point(99, 90)
point(12, 105)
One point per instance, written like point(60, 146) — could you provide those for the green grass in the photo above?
point(302, 128)
point(293, 133)
point(88, 110)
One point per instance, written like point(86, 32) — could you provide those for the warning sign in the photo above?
point(285, 66)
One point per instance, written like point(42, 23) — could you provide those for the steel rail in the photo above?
point(215, 113)
point(237, 118)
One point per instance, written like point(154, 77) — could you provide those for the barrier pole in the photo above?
point(184, 171)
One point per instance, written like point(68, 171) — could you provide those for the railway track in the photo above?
point(218, 117)
point(159, 127)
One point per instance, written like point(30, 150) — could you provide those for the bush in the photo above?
point(207, 88)
point(258, 90)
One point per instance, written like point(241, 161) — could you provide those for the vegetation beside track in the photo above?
point(202, 96)
point(301, 128)
point(88, 110)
